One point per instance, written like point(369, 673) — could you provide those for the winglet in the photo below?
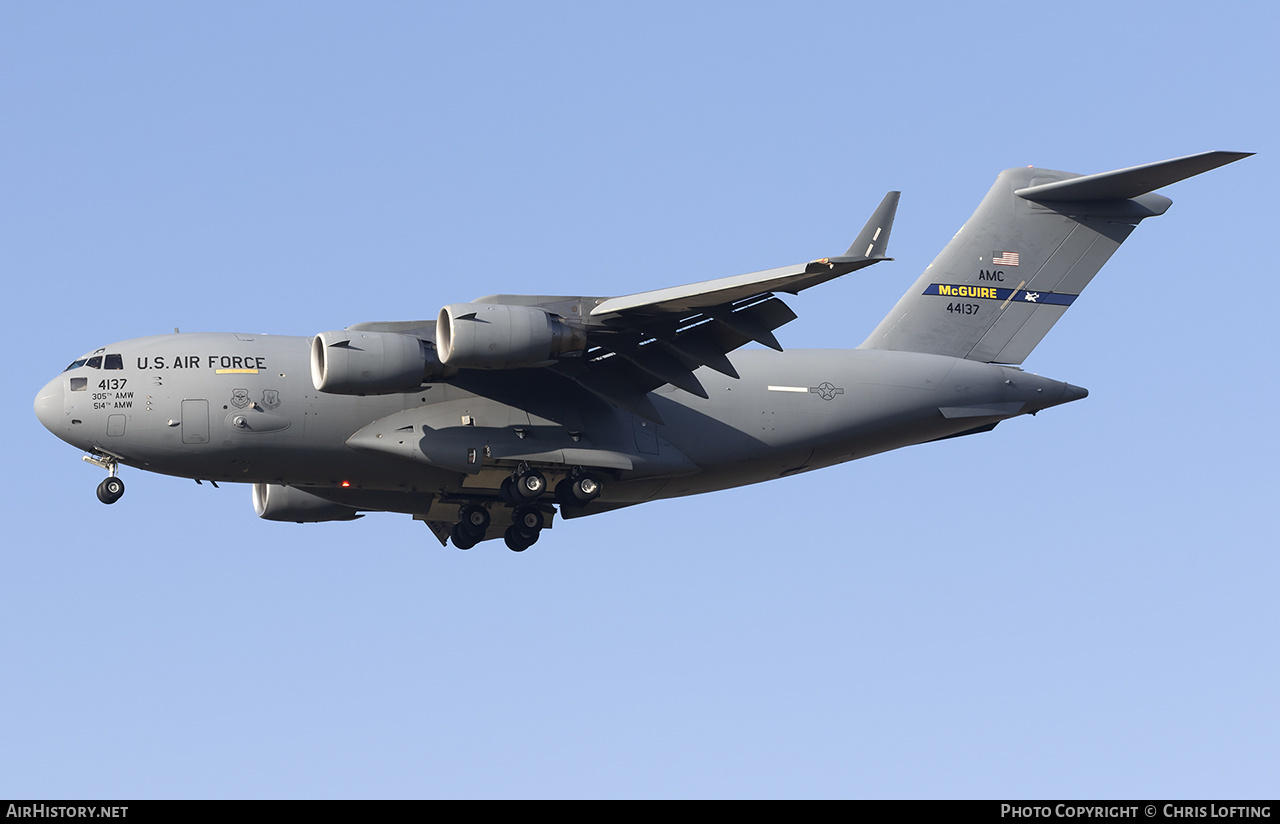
point(869, 248)
point(873, 240)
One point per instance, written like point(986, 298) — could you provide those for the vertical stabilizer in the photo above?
point(1036, 240)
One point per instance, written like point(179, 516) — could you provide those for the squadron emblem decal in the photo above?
point(239, 398)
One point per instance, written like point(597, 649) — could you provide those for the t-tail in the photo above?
point(1026, 254)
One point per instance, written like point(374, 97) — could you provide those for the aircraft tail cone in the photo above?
point(1073, 393)
point(1048, 393)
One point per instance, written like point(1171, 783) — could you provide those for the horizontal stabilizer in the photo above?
point(1124, 184)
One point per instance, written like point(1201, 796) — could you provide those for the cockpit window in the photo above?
point(79, 384)
point(111, 361)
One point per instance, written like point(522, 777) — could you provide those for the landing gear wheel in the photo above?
point(110, 490)
point(528, 486)
point(528, 522)
point(579, 490)
point(506, 492)
point(474, 520)
point(473, 523)
point(462, 539)
point(518, 541)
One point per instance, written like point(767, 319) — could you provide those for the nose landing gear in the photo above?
point(110, 490)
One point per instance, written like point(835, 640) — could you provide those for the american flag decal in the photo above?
point(1004, 258)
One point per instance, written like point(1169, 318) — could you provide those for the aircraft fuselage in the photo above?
point(243, 408)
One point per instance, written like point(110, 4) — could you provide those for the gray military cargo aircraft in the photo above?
point(477, 421)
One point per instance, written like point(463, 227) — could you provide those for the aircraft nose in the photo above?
point(49, 407)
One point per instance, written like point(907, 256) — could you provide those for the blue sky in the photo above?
point(1077, 605)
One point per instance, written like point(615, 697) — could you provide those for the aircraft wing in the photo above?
point(868, 248)
point(642, 341)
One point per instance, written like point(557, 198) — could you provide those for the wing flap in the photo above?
point(634, 358)
point(663, 365)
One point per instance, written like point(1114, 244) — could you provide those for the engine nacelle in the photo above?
point(499, 336)
point(274, 502)
point(371, 363)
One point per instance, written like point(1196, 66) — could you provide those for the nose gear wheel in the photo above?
point(110, 490)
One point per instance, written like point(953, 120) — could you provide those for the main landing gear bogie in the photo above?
point(527, 523)
point(520, 491)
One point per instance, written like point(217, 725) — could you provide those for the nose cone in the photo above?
point(49, 406)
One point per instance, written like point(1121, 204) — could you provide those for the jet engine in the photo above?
point(499, 336)
point(371, 363)
point(274, 502)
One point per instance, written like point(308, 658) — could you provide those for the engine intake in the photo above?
point(500, 336)
point(371, 363)
point(274, 502)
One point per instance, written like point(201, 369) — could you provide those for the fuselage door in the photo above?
point(195, 421)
